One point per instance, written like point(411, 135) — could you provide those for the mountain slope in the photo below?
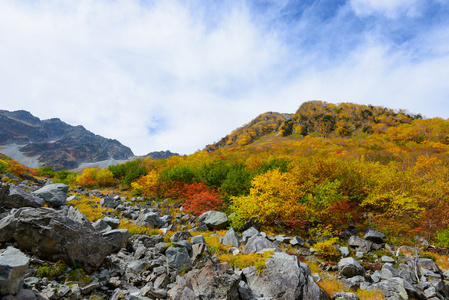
point(56, 143)
point(318, 118)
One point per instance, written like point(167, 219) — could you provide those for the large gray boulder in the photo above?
point(350, 267)
point(13, 264)
point(151, 219)
point(54, 195)
point(257, 243)
point(178, 258)
point(117, 237)
point(214, 220)
point(283, 278)
point(52, 236)
point(374, 236)
point(213, 282)
point(360, 244)
point(392, 289)
point(249, 233)
point(231, 238)
point(14, 197)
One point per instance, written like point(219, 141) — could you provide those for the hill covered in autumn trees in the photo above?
point(326, 166)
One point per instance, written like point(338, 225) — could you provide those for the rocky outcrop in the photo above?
point(49, 235)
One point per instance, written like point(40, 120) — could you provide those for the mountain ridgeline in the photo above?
point(56, 143)
point(318, 118)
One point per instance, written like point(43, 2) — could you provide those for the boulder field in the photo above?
point(40, 231)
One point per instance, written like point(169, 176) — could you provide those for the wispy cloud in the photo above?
point(181, 74)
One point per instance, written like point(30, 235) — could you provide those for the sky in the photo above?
point(178, 75)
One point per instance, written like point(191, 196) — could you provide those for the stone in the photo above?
point(360, 244)
point(297, 241)
point(425, 265)
point(344, 251)
point(101, 226)
point(150, 219)
point(212, 282)
point(249, 233)
point(283, 278)
point(148, 241)
point(77, 216)
point(178, 258)
point(15, 197)
point(118, 238)
point(13, 264)
point(387, 259)
point(200, 228)
point(113, 223)
point(392, 289)
point(214, 220)
point(54, 195)
point(374, 236)
point(52, 236)
point(198, 252)
point(109, 202)
point(257, 243)
point(231, 238)
point(199, 239)
point(180, 236)
point(350, 267)
point(345, 296)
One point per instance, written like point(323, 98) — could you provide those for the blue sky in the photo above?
point(179, 75)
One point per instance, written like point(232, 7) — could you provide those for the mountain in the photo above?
point(54, 143)
point(318, 118)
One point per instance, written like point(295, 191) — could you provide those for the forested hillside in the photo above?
point(328, 165)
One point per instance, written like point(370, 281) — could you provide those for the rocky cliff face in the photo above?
point(55, 143)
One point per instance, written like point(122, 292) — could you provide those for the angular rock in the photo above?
point(283, 278)
point(74, 214)
point(392, 289)
point(15, 197)
point(198, 252)
point(101, 225)
point(374, 236)
point(199, 239)
point(297, 241)
point(257, 243)
point(52, 236)
point(249, 233)
point(180, 236)
point(425, 265)
point(113, 223)
point(54, 195)
point(178, 258)
point(350, 267)
point(117, 237)
point(360, 244)
point(13, 264)
point(214, 220)
point(213, 282)
point(109, 202)
point(150, 219)
point(148, 241)
point(231, 238)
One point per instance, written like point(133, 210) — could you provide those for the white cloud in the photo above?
point(179, 75)
point(389, 8)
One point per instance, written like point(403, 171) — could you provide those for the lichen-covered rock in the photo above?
point(257, 243)
point(283, 278)
point(178, 258)
point(350, 267)
point(213, 282)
